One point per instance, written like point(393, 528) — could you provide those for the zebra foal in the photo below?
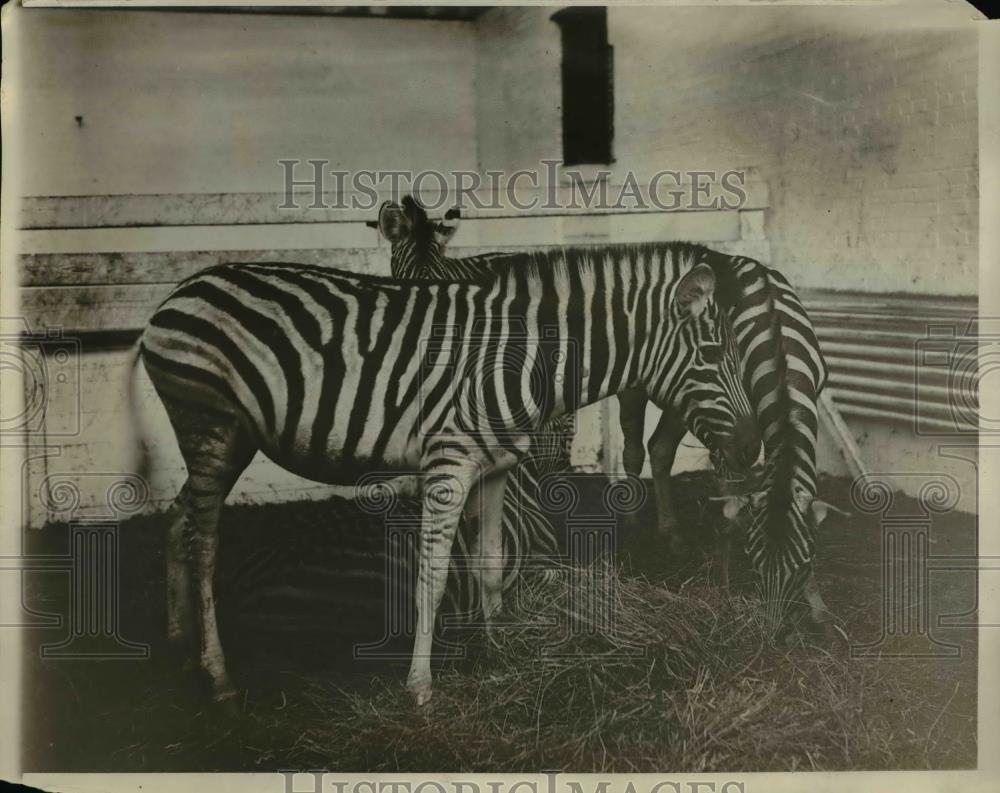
point(333, 375)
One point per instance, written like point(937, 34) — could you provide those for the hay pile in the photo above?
point(672, 681)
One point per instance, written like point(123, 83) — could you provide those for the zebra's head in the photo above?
point(417, 241)
point(780, 522)
point(698, 375)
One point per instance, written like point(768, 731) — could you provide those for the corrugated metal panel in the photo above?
point(900, 358)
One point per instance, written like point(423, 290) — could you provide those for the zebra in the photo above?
point(784, 371)
point(417, 244)
point(333, 374)
point(418, 251)
point(774, 351)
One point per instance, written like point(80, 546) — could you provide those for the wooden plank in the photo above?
point(78, 269)
point(590, 229)
point(478, 232)
point(130, 263)
point(842, 435)
point(145, 239)
point(198, 209)
point(101, 269)
point(91, 308)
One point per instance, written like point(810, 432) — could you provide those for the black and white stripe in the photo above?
point(784, 371)
point(333, 375)
point(777, 356)
point(418, 252)
point(418, 246)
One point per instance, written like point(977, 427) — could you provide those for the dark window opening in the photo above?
point(588, 101)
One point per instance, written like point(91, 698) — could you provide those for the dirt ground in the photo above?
point(296, 628)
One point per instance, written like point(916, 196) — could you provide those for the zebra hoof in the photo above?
point(421, 693)
point(418, 683)
point(225, 707)
point(223, 696)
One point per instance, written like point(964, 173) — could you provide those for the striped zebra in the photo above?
point(333, 375)
point(417, 245)
point(418, 251)
point(784, 371)
point(773, 361)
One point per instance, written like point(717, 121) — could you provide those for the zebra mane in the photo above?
point(674, 257)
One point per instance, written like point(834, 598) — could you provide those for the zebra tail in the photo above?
point(140, 463)
point(779, 497)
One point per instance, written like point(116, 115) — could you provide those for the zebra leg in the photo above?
point(489, 502)
point(632, 418)
point(405, 486)
point(216, 450)
point(725, 554)
point(662, 452)
point(180, 621)
point(818, 611)
point(444, 494)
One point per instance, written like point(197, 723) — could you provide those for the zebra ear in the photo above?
point(393, 222)
point(815, 507)
point(446, 229)
point(757, 499)
point(695, 290)
point(819, 510)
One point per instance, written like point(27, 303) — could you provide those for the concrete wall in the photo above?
point(518, 88)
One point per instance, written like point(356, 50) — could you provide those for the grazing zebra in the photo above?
point(784, 371)
point(418, 251)
point(333, 375)
point(417, 245)
point(774, 358)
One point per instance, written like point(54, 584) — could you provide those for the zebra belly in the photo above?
point(341, 466)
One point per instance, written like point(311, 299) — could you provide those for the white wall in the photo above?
point(863, 121)
point(176, 107)
point(865, 135)
point(189, 103)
